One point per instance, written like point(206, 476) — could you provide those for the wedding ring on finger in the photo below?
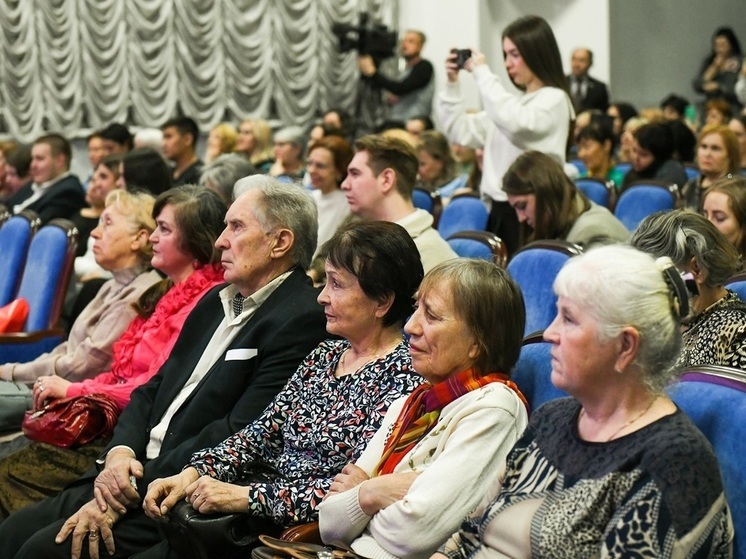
point(93, 534)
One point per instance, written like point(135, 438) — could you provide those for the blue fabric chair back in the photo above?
point(714, 398)
point(47, 273)
point(534, 268)
point(622, 168)
point(479, 244)
point(15, 236)
point(579, 165)
point(596, 190)
point(422, 199)
point(691, 171)
point(639, 201)
point(463, 213)
point(737, 283)
point(533, 373)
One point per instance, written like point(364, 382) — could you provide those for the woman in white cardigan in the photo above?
point(428, 465)
point(539, 119)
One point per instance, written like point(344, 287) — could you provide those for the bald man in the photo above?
point(587, 92)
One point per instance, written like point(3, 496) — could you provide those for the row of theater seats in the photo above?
point(465, 212)
point(37, 264)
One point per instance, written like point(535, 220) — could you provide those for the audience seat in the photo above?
point(691, 171)
point(533, 372)
point(428, 201)
point(737, 283)
point(714, 398)
point(597, 190)
point(622, 168)
point(15, 236)
point(579, 165)
point(43, 284)
point(642, 198)
point(534, 267)
point(465, 212)
point(479, 244)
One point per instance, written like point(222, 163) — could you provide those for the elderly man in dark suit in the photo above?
point(53, 192)
point(587, 92)
point(237, 349)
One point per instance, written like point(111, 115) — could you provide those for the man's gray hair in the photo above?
point(285, 205)
point(222, 173)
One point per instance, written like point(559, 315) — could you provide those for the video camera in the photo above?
point(372, 39)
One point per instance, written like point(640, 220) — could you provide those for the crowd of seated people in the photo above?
point(223, 363)
point(115, 345)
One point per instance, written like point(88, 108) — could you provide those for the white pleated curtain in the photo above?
point(75, 65)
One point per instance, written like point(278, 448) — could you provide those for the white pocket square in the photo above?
point(240, 354)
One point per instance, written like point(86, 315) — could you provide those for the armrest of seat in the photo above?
point(306, 533)
point(22, 347)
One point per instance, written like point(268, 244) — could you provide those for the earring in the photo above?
point(196, 264)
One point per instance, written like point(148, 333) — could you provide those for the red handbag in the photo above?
point(71, 422)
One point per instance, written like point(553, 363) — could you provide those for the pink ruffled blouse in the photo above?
point(147, 343)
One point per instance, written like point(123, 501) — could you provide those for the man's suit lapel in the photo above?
point(291, 284)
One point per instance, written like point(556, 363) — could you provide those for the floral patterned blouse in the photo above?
point(314, 427)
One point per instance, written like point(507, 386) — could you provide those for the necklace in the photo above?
point(376, 357)
point(630, 422)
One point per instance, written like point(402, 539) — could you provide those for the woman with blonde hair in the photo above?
point(254, 141)
point(222, 139)
point(122, 247)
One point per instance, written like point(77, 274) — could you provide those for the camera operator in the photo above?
point(412, 94)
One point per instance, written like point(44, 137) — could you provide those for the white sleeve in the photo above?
point(514, 117)
point(451, 487)
point(741, 89)
point(341, 519)
point(460, 127)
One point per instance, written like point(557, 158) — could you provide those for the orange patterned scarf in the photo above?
point(422, 410)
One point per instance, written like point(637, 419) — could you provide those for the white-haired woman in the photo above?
point(617, 470)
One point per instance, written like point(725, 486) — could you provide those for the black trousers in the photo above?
point(503, 222)
point(29, 533)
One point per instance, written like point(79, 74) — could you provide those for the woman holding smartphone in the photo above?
point(538, 119)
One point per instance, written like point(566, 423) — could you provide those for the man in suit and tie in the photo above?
point(237, 349)
point(53, 192)
point(587, 92)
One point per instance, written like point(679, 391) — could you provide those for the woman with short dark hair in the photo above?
point(652, 156)
point(427, 466)
point(335, 401)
